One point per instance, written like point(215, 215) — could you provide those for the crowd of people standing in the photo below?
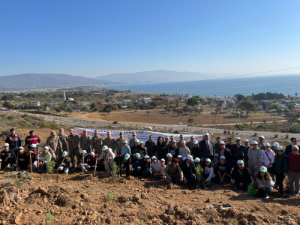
point(193, 163)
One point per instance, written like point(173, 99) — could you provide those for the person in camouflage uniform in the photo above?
point(110, 141)
point(73, 143)
point(55, 145)
point(261, 143)
point(132, 140)
point(190, 144)
point(120, 143)
point(179, 142)
point(85, 142)
point(63, 139)
point(97, 142)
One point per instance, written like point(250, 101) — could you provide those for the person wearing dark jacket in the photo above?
point(247, 146)
point(240, 176)
point(222, 171)
point(195, 151)
point(150, 145)
point(143, 150)
point(22, 159)
point(137, 165)
point(32, 139)
point(173, 172)
point(207, 148)
point(123, 163)
point(8, 157)
point(188, 169)
point(64, 163)
point(289, 148)
point(14, 141)
point(227, 153)
point(280, 168)
point(146, 167)
point(217, 146)
point(238, 151)
point(173, 150)
point(229, 144)
point(161, 148)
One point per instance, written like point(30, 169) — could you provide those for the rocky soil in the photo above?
point(84, 199)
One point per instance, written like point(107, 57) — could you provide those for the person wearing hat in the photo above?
point(136, 148)
point(63, 139)
point(97, 142)
point(215, 162)
point(167, 141)
point(120, 143)
point(181, 138)
point(125, 148)
point(229, 144)
point(268, 158)
point(255, 159)
point(238, 151)
point(55, 146)
point(195, 151)
point(171, 141)
point(188, 170)
point(7, 157)
point(261, 142)
point(42, 160)
point(173, 172)
point(199, 171)
point(64, 164)
point(150, 145)
point(14, 141)
point(274, 147)
point(137, 164)
point(280, 168)
point(32, 139)
point(207, 148)
point(179, 157)
point(161, 148)
point(85, 141)
point(110, 142)
point(184, 151)
point(217, 146)
point(92, 158)
point(264, 182)
point(146, 167)
point(143, 150)
point(226, 153)
point(160, 174)
point(108, 155)
point(173, 150)
point(22, 160)
point(123, 162)
point(32, 155)
point(208, 173)
point(240, 176)
point(169, 158)
point(83, 158)
point(155, 164)
point(190, 144)
point(247, 146)
point(222, 171)
point(294, 170)
point(132, 140)
point(73, 144)
point(289, 148)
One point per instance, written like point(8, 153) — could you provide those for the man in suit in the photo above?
point(288, 148)
point(207, 148)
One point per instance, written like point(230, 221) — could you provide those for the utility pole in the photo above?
point(239, 117)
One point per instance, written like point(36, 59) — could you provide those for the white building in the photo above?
point(52, 104)
point(36, 103)
point(126, 102)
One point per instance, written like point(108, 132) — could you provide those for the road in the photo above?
point(95, 124)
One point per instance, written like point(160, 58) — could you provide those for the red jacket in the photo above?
point(93, 159)
point(33, 156)
point(32, 140)
point(294, 162)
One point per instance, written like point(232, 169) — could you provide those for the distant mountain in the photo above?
point(34, 81)
point(154, 76)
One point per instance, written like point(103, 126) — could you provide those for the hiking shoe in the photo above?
point(228, 205)
point(267, 197)
point(207, 201)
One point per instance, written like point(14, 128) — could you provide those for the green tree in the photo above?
point(192, 102)
point(8, 105)
point(248, 106)
point(191, 120)
point(274, 106)
point(290, 107)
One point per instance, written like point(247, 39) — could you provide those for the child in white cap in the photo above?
point(137, 164)
point(208, 174)
point(222, 171)
point(264, 183)
point(64, 164)
point(83, 161)
point(160, 174)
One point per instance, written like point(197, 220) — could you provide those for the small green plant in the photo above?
point(115, 170)
point(11, 117)
point(50, 164)
point(19, 184)
point(141, 222)
point(235, 220)
point(49, 217)
point(110, 196)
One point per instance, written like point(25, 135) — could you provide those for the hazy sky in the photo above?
point(98, 37)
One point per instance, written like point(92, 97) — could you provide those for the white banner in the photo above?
point(140, 134)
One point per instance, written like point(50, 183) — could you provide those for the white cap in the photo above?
point(263, 169)
point(208, 160)
point(217, 155)
point(222, 157)
point(254, 143)
point(6, 145)
point(246, 141)
point(267, 144)
point(141, 142)
point(92, 154)
point(190, 157)
point(262, 137)
point(206, 134)
point(169, 155)
point(137, 155)
point(127, 156)
point(162, 160)
point(197, 160)
point(46, 148)
point(33, 146)
point(21, 148)
point(136, 141)
point(179, 156)
point(237, 138)
point(83, 152)
point(104, 148)
point(146, 157)
point(125, 141)
point(275, 144)
point(240, 161)
point(153, 157)
point(65, 153)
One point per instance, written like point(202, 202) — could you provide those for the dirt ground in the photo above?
point(83, 199)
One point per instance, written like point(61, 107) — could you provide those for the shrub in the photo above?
point(191, 120)
point(11, 117)
point(115, 170)
point(110, 196)
point(50, 164)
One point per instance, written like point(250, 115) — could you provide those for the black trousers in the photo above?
point(263, 192)
point(10, 161)
point(279, 181)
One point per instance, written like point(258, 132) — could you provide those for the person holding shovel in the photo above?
point(32, 155)
point(43, 160)
point(240, 176)
point(64, 164)
point(108, 155)
point(123, 163)
point(83, 161)
point(22, 160)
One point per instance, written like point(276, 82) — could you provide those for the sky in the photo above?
point(98, 37)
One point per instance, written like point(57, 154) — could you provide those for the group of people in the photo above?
point(193, 162)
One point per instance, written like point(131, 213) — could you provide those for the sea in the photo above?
point(285, 84)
